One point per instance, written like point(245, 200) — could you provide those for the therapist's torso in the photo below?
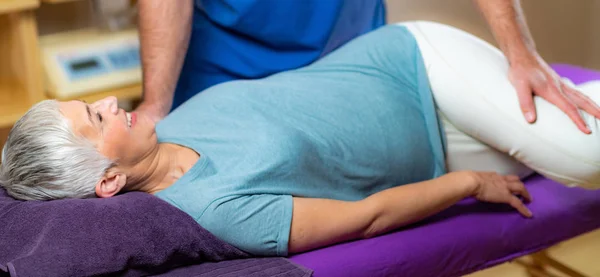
point(248, 39)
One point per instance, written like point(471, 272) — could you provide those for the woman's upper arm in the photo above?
point(258, 224)
point(320, 222)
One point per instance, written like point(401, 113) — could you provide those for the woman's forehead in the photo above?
point(79, 116)
point(72, 109)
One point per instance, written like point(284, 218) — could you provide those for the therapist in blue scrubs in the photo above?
point(239, 39)
point(188, 46)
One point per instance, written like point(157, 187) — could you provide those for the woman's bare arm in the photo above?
point(320, 222)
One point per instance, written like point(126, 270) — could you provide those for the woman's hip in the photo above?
point(471, 89)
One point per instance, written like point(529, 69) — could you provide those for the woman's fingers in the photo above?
point(512, 178)
point(519, 206)
point(518, 188)
point(498, 188)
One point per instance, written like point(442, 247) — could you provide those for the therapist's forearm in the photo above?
point(507, 22)
point(165, 28)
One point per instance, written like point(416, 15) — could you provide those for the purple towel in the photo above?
point(133, 234)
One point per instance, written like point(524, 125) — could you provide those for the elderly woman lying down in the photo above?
point(352, 146)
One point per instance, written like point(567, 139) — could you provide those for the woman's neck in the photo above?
point(161, 168)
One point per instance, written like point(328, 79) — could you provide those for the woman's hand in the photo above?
point(321, 222)
point(495, 188)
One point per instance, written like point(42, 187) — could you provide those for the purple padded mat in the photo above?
point(469, 236)
point(466, 238)
point(576, 74)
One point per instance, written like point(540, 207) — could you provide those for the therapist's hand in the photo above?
point(152, 111)
point(532, 76)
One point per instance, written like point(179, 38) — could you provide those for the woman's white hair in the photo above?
point(43, 159)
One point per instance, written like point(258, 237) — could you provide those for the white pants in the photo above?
point(484, 125)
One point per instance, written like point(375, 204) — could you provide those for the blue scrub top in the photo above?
point(249, 39)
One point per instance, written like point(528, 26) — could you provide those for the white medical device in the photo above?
point(87, 61)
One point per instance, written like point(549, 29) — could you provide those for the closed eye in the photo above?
point(99, 117)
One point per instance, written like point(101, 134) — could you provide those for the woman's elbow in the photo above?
point(376, 223)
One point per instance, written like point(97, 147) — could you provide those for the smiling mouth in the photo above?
point(128, 115)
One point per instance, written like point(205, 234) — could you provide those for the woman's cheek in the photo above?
point(116, 137)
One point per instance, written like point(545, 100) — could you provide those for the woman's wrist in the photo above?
point(466, 181)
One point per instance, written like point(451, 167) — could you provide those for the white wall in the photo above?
point(564, 30)
point(593, 51)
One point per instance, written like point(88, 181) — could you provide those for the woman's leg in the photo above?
point(470, 85)
point(466, 153)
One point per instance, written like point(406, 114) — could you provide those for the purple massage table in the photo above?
point(469, 236)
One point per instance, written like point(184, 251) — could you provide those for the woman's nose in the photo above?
point(108, 104)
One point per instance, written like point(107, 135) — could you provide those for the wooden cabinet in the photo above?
point(20, 68)
point(21, 74)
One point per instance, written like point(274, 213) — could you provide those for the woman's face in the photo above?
point(125, 138)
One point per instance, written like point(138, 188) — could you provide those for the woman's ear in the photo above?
point(111, 183)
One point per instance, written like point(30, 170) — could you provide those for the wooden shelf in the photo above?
point(20, 70)
point(21, 74)
point(3, 136)
point(12, 105)
point(57, 1)
point(133, 92)
point(8, 6)
point(11, 113)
